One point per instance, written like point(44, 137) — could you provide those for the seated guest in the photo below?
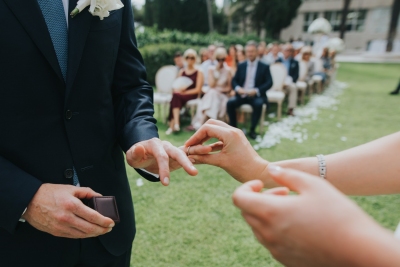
point(183, 95)
point(178, 60)
point(213, 103)
point(209, 62)
point(292, 67)
point(261, 50)
point(306, 58)
point(203, 54)
point(251, 82)
point(326, 65)
point(273, 56)
point(231, 57)
point(240, 56)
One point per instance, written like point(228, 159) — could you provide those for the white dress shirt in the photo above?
point(66, 5)
point(250, 81)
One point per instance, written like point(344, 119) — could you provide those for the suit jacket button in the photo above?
point(69, 173)
point(68, 114)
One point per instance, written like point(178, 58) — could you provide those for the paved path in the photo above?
point(369, 58)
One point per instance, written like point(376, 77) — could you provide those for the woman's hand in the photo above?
point(236, 155)
point(318, 227)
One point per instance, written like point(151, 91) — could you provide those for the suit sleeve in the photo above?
point(296, 72)
point(235, 79)
point(17, 189)
point(132, 94)
point(267, 84)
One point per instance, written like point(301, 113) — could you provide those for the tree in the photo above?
point(343, 23)
point(271, 15)
point(393, 25)
point(210, 15)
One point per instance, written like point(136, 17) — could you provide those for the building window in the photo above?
point(308, 19)
point(355, 20)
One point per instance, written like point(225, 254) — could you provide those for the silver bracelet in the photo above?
point(322, 166)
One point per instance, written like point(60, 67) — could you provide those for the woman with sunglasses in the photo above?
point(180, 98)
point(213, 103)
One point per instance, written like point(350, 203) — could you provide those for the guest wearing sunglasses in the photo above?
point(213, 103)
point(181, 97)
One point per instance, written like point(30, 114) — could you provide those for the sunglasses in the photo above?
point(220, 59)
point(191, 58)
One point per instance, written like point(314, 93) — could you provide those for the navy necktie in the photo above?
point(54, 15)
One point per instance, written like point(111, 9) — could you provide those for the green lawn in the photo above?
point(193, 222)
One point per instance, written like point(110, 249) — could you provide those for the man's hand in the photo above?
point(161, 157)
point(59, 211)
point(241, 91)
point(237, 157)
point(318, 227)
point(252, 93)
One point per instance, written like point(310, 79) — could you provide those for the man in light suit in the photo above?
point(73, 98)
point(292, 67)
point(251, 82)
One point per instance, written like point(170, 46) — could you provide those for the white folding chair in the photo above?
point(165, 76)
point(276, 94)
point(301, 82)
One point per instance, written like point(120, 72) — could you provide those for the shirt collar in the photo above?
point(254, 63)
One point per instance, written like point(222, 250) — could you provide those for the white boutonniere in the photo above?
point(100, 8)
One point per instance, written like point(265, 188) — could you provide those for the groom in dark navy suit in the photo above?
point(73, 98)
point(251, 82)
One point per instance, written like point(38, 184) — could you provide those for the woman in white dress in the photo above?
point(213, 103)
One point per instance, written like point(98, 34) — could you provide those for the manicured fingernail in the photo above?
point(192, 160)
point(193, 168)
point(166, 180)
point(109, 230)
point(111, 225)
point(274, 169)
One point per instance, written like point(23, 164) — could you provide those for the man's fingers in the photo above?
point(92, 216)
point(294, 180)
point(210, 159)
point(196, 150)
point(180, 157)
point(249, 200)
point(90, 229)
point(279, 191)
point(135, 155)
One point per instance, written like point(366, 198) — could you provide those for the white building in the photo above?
point(367, 23)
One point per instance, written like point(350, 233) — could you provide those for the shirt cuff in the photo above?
point(258, 92)
point(22, 220)
point(237, 88)
point(153, 174)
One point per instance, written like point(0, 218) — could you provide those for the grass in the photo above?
point(193, 222)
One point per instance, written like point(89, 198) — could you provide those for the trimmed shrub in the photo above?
point(156, 56)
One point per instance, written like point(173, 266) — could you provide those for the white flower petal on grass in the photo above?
point(339, 125)
point(343, 138)
point(291, 127)
point(139, 182)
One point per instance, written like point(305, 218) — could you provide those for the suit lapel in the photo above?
point(30, 16)
point(78, 29)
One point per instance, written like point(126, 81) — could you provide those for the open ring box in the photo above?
point(106, 206)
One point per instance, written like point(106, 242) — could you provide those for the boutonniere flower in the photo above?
point(100, 8)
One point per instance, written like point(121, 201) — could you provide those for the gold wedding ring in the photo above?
point(188, 151)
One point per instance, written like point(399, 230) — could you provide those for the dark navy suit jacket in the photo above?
point(293, 69)
point(263, 80)
point(48, 125)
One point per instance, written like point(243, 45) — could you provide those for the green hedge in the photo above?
point(150, 36)
point(156, 56)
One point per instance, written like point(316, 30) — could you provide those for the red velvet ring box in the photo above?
point(106, 206)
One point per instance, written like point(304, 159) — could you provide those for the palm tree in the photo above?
point(393, 25)
point(210, 15)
